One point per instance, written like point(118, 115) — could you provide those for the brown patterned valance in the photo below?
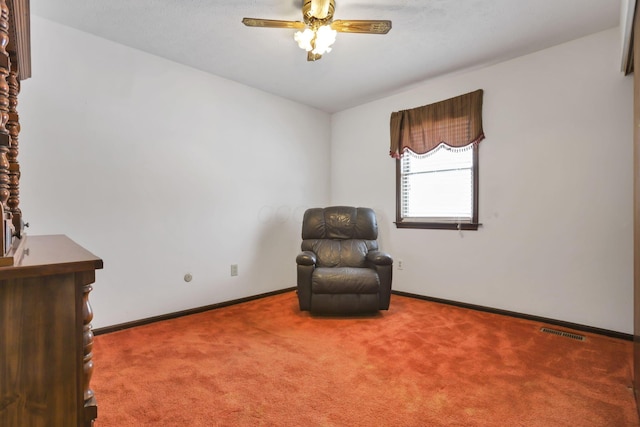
point(456, 122)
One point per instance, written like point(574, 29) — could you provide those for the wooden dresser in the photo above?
point(46, 338)
point(45, 315)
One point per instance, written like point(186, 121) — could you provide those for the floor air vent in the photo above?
point(564, 334)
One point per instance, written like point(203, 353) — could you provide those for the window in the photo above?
point(436, 147)
point(438, 189)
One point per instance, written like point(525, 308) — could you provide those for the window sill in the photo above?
point(438, 225)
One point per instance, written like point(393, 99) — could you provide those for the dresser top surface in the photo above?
point(51, 254)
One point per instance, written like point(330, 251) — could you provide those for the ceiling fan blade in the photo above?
point(361, 26)
point(320, 8)
point(273, 23)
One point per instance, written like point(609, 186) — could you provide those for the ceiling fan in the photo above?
point(318, 30)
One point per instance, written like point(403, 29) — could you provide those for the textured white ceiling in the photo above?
point(429, 38)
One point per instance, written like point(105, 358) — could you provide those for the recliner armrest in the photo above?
point(379, 258)
point(306, 258)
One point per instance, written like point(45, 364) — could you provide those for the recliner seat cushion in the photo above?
point(344, 280)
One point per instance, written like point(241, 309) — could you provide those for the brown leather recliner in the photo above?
point(340, 269)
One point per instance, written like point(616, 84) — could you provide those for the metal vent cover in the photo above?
point(564, 334)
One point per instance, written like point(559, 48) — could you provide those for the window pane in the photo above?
point(438, 186)
point(440, 194)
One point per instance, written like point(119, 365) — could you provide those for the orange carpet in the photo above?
point(264, 363)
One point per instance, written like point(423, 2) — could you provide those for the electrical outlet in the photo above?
point(234, 269)
point(400, 264)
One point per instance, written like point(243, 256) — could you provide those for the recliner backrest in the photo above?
point(340, 236)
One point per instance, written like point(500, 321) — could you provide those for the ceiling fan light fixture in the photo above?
point(303, 38)
point(325, 38)
point(317, 41)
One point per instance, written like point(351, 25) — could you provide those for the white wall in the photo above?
point(163, 170)
point(555, 187)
